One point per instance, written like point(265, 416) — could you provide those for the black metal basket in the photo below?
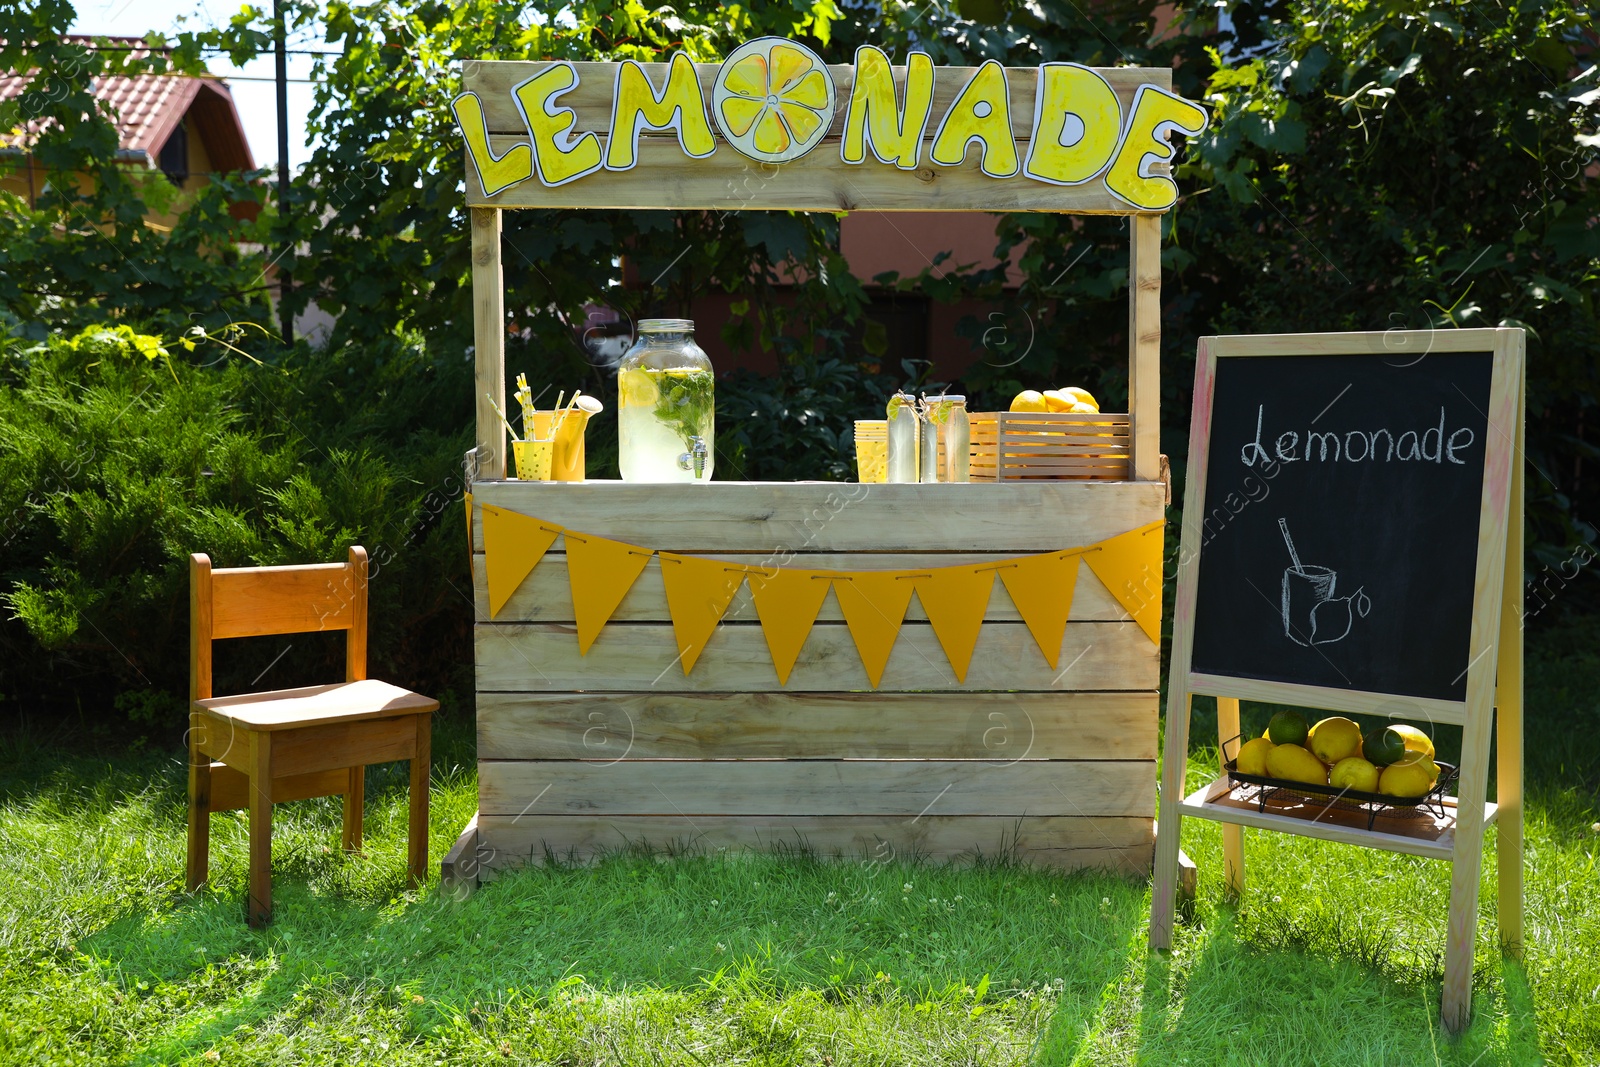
point(1372, 805)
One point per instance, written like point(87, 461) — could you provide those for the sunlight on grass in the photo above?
point(1333, 956)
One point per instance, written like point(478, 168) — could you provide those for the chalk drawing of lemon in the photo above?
point(773, 99)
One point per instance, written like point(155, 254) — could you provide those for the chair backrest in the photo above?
point(252, 601)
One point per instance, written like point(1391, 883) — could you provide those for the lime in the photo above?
point(1415, 739)
point(1287, 728)
point(1383, 747)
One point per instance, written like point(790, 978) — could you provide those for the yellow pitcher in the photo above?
point(567, 459)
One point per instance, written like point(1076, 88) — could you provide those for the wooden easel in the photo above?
point(1494, 675)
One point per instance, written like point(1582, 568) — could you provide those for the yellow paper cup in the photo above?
point(872, 461)
point(533, 459)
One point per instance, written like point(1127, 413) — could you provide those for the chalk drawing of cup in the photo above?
point(1312, 615)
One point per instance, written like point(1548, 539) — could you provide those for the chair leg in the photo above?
point(198, 860)
point(260, 897)
point(354, 806)
point(417, 831)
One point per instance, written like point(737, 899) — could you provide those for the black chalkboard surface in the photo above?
point(1340, 539)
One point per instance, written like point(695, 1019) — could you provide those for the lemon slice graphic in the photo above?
point(773, 99)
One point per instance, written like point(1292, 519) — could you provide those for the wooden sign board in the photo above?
point(1350, 536)
point(654, 136)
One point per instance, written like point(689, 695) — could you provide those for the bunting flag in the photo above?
point(601, 572)
point(699, 590)
point(787, 602)
point(787, 599)
point(874, 604)
point(1041, 588)
point(956, 600)
point(468, 498)
point(1130, 566)
point(513, 544)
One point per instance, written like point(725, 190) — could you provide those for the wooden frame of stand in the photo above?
point(1494, 677)
point(1084, 794)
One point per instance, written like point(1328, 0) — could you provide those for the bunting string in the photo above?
point(699, 591)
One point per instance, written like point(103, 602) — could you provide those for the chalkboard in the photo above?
point(1340, 539)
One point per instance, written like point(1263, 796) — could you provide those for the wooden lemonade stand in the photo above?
point(1044, 752)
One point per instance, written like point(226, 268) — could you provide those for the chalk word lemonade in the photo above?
point(1436, 444)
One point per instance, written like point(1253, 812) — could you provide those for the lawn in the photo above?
point(1334, 956)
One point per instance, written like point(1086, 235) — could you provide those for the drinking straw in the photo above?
point(1283, 524)
point(503, 420)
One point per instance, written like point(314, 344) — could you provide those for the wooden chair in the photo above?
point(256, 749)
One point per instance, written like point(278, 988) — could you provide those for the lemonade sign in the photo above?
point(774, 101)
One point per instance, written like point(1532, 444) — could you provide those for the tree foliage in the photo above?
point(1371, 164)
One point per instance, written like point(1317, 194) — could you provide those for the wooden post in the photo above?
point(1232, 833)
point(1144, 344)
point(489, 341)
point(355, 804)
point(260, 893)
point(199, 849)
point(417, 828)
point(1494, 540)
point(1175, 750)
point(1508, 718)
point(355, 639)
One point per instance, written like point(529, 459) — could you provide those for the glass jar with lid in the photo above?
point(666, 406)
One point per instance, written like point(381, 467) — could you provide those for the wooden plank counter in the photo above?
point(578, 754)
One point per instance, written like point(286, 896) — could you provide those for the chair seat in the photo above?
point(287, 709)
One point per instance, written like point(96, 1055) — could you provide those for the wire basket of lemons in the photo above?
point(1389, 767)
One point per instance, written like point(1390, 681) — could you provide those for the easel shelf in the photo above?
point(1417, 832)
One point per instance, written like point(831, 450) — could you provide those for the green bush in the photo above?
point(121, 455)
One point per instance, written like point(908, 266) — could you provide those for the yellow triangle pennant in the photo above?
point(1041, 588)
point(699, 590)
point(787, 601)
point(956, 600)
point(468, 498)
point(601, 572)
point(874, 605)
point(1130, 566)
point(513, 544)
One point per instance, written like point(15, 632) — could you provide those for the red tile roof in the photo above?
point(149, 107)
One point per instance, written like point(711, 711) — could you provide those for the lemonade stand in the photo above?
point(939, 669)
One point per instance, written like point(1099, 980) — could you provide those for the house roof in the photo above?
point(149, 107)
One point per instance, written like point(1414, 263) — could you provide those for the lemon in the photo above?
point(1334, 738)
point(1384, 746)
point(1410, 778)
point(1353, 772)
point(773, 99)
point(1029, 400)
point(1297, 764)
point(636, 388)
point(1253, 756)
point(1083, 396)
point(1059, 400)
point(1287, 728)
point(1415, 739)
point(1085, 409)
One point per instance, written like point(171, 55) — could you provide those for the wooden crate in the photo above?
point(1015, 445)
point(578, 754)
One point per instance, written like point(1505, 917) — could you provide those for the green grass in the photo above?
point(1332, 959)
